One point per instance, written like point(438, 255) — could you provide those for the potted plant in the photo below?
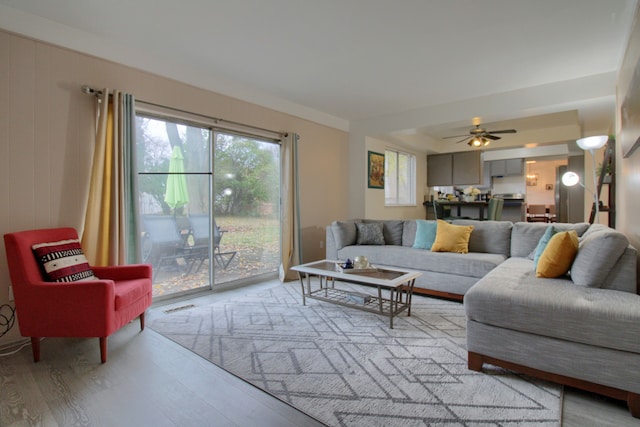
point(607, 171)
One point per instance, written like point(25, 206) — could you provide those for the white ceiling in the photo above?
point(411, 70)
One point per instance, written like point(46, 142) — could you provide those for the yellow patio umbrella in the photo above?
point(177, 194)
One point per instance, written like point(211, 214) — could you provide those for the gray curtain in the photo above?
point(130, 191)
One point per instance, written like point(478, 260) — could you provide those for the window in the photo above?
point(399, 178)
point(209, 205)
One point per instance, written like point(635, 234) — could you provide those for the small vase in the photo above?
point(469, 198)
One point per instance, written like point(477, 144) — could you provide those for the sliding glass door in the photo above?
point(246, 208)
point(209, 206)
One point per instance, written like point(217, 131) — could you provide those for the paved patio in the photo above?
point(177, 278)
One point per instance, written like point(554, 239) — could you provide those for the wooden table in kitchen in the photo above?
point(397, 282)
point(479, 204)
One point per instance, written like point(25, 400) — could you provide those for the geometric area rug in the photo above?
point(345, 367)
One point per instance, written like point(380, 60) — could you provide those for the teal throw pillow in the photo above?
point(425, 234)
point(542, 244)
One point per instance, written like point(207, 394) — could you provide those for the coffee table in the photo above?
point(397, 284)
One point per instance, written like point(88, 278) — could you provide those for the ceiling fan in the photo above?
point(480, 137)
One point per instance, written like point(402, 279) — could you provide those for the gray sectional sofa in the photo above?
point(582, 329)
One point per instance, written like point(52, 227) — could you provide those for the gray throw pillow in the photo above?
point(392, 231)
point(409, 232)
point(344, 233)
point(597, 254)
point(370, 233)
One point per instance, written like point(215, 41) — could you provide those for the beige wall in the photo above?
point(46, 140)
point(628, 170)
point(546, 171)
point(374, 197)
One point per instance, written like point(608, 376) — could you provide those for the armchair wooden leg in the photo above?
point(103, 349)
point(142, 321)
point(35, 348)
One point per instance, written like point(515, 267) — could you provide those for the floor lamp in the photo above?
point(591, 144)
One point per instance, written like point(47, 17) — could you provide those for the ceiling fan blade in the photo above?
point(503, 131)
point(463, 139)
point(454, 136)
point(491, 137)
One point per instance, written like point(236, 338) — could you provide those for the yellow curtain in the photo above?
point(103, 238)
point(291, 247)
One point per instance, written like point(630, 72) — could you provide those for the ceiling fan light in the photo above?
point(486, 142)
point(475, 142)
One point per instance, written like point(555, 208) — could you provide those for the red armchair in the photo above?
point(94, 308)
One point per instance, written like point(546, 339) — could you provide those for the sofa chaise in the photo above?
point(580, 329)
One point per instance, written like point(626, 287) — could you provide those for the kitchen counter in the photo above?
point(514, 210)
point(474, 209)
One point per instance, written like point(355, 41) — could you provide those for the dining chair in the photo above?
point(537, 213)
point(494, 209)
point(551, 213)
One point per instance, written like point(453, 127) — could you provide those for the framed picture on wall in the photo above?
point(375, 170)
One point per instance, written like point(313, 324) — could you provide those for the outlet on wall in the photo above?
point(321, 244)
point(10, 293)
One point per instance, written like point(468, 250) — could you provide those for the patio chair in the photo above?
point(163, 244)
point(200, 225)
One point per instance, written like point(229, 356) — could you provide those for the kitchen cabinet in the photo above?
point(467, 168)
point(464, 168)
point(514, 167)
point(507, 167)
point(498, 167)
point(440, 170)
point(486, 174)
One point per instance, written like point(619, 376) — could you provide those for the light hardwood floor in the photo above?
point(151, 381)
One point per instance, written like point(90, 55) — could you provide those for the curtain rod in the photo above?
point(98, 93)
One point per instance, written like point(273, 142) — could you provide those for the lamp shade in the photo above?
point(570, 179)
point(592, 142)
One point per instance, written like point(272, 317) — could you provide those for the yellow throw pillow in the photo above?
point(452, 238)
point(557, 257)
